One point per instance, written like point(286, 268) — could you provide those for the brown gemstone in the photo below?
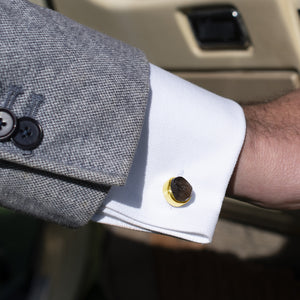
point(181, 189)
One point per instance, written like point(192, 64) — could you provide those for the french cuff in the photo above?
point(191, 133)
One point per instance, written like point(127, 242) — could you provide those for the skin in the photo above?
point(268, 170)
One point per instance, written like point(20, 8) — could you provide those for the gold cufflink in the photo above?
point(177, 191)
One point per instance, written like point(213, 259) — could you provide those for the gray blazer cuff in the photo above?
point(88, 92)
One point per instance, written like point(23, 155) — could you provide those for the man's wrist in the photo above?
point(267, 171)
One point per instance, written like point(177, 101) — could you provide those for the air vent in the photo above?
point(217, 28)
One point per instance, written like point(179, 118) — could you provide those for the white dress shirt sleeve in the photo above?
point(188, 132)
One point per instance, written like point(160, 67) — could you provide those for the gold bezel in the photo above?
point(168, 194)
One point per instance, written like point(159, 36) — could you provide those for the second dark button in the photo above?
point(29, 134)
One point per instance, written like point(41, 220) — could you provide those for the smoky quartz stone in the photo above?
point(181, 189)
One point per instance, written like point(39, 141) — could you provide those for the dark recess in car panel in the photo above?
point(218, 28)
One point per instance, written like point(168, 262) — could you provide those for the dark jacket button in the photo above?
point(29, 134)
point(8, 124)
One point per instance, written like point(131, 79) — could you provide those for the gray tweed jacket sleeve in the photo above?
point(87, 91)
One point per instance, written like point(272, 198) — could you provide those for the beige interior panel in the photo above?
point(161, 29)
point(247, 86)
point(279, 221)
point(39, 2)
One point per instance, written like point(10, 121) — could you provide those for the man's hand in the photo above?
point(268, 170)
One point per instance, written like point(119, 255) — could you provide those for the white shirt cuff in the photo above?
point(188, 132)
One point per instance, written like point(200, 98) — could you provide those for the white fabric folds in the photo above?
point(188, 132)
